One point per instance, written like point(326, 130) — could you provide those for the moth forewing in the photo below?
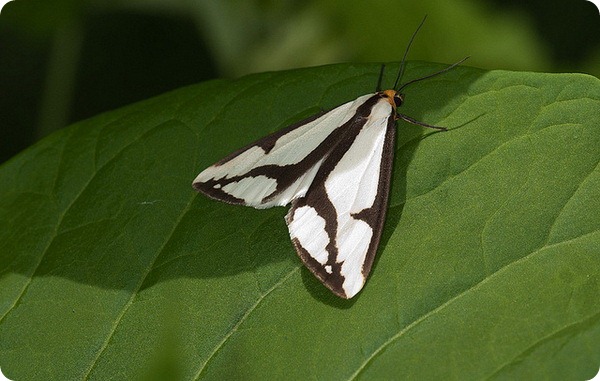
point(336, 226)
point(278, 168)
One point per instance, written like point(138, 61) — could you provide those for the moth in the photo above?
point(335, 169)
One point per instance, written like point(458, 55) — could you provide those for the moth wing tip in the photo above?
point(197, 185)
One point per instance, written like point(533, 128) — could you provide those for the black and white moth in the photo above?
point(335, 169)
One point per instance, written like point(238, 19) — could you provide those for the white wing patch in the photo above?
point(251, 189)
point(235, 167)
point(309, 230)
point(298, 143)
point(350, 186)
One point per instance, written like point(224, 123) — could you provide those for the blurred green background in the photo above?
point(65, 60)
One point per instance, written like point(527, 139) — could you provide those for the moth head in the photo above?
point(393, 97)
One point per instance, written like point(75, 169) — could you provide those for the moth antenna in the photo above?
point(403, 63)
point(410, 120)
point(378, 88)
point(433, 74)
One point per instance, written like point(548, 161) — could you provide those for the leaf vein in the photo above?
point(562, 209)
point(449, 302)
point(135, 291)
point(55, 234)
point(239, 322)
point(542, 340)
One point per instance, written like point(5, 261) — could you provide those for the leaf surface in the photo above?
point(112, 266)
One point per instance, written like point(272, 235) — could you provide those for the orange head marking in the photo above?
point(393, 97)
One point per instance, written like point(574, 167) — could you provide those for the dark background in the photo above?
point(65, 60)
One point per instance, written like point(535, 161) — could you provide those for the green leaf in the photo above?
point(112, 267)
